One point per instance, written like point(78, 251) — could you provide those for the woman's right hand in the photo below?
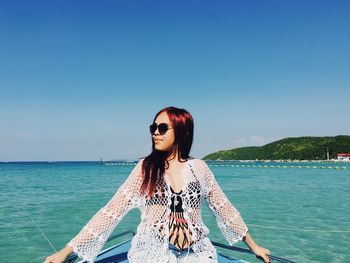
point(262, 253)
point(57, 257)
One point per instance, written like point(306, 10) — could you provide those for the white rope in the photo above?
point(303, 230)
point(43, 234)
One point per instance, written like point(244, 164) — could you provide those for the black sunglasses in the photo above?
point(162, 128)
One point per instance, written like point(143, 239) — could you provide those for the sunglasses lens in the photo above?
point(162, 128)
point(152, 128)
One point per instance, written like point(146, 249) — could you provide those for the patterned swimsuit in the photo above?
point(179, 232)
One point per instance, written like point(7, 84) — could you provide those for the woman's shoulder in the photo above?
point(191, 160)
point(197, 162)
point(140, 160)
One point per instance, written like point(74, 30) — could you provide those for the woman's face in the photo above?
point(165, 141)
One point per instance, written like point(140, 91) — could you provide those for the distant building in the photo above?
point(343, 156)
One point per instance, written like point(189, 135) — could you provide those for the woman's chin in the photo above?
point(161, 149)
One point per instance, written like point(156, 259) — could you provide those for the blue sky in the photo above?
point(81, 80)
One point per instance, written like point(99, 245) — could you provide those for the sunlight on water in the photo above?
point(298, 213)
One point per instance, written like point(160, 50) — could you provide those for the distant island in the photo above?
point(297, 148)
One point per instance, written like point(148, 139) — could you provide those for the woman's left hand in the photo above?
point(262, 253)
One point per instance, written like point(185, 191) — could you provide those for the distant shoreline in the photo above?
point(210, 160)
point(280, 161)
point(291, 149)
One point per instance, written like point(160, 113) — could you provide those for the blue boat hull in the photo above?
point(118, 253)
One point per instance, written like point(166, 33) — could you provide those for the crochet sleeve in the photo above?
point(227, 216)
point(92, 237)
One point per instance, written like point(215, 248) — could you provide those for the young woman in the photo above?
point(169, 187)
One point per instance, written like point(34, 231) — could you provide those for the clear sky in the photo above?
point(82, 80)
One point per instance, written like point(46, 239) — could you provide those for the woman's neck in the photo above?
point(174, 160)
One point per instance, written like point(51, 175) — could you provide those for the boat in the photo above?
point(119, 252)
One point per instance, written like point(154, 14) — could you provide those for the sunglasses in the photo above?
point(162, 128)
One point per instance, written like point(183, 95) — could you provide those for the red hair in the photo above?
point(154, 164)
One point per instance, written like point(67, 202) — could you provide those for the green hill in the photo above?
point(299, 148)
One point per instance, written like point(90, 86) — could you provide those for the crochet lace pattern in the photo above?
point(150, 244)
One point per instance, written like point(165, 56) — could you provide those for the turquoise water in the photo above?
point(300, 214)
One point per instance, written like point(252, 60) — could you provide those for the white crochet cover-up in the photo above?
point(151, 241)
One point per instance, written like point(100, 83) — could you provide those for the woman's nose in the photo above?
point(156, 131)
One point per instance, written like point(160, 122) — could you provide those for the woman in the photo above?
point(168, 186)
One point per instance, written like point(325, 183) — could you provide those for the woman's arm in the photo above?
point(260, 252)
point(59, 256)
point(90, 240)
point(67, 250)
point(95, 233)
point(248, 240)
point(228, 217)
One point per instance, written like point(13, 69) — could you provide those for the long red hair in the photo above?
point(156, 162)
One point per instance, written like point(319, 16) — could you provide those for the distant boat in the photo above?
point(119, 253)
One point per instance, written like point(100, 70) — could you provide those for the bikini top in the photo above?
point(176, 205)
point(176, 197)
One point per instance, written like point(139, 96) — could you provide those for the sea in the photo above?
point(299, 211)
